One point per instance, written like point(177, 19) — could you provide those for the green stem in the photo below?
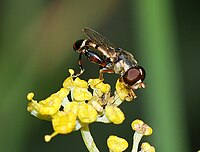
point(161, 58)
point(88, 140)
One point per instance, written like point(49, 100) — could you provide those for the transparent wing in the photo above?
point(99, 39)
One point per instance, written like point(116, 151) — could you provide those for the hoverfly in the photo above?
point(111, 60)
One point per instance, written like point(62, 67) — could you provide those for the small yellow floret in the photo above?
point(94, 82)
point(142, 128)
point(71, 71)
point(30, 96)
point(64, 122)
point(105, 88)
point(47, 138)
point(146, 147)
point(44, 109)
point(81, 94)
point(68, 83)
point(32, 107)
point(98, 84)
point(116, 144)
point(72, 106)
point(114, 114)
point(49, 106)
point(123, 92)
point(80, 83)
point(63, 93)
point(87, 113)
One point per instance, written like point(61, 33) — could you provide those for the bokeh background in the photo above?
point(36, 39)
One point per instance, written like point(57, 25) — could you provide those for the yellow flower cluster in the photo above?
point(86, 107)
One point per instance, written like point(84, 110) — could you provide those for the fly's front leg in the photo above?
point(80, 66)
point(80, 63)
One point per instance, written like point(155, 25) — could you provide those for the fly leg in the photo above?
point(104, 70)
point(95, 58)
point(80, 64)
point(92, 57)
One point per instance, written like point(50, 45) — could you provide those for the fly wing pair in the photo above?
point(101, 41)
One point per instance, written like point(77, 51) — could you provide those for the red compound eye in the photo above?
point(133, 75)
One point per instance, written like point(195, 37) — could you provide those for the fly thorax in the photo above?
point(119, 67)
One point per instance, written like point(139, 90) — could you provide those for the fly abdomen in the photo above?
point(91, 44)
point(95, 58)
point(78, 44)
point(81, 44)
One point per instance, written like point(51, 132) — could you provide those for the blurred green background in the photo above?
point(36, 39)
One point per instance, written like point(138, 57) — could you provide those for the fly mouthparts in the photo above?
point(138, 85)
point(142, 85)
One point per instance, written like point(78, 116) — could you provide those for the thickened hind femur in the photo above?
point(133, 75)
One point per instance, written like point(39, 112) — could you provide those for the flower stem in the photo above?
point(88, 140)
point(136, 139)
